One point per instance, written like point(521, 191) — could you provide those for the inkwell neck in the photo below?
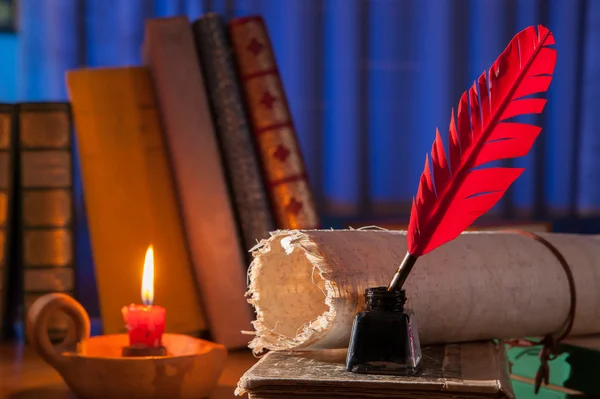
point(379, 298)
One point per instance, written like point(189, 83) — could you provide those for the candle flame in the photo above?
point(148, 278)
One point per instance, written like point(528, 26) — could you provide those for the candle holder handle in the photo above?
point(36, 329)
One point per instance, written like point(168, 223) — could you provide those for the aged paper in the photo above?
point(307, 286)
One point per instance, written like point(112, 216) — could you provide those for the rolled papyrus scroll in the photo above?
point(307, 286)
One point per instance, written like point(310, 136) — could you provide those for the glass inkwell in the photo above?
point(385, 337)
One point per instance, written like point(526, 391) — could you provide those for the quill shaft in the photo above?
point(403, 271)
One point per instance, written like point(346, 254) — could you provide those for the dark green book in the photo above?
point(46, 205)
point(573, 372)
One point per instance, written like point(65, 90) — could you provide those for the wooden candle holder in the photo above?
point(95, 368)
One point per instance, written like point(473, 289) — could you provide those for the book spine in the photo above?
point(46, 196)
point(272, 124)
point(233, 129)
point(208, 216)
point(7, 161)
point(130, 197)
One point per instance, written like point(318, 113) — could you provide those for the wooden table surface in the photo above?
point(23, 375)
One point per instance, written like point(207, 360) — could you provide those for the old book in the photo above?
point(473, 370)
point(208, 216)
point(46, 198)
point(130, 196)
point(233, 130)
point(481, 285)
point(272, 124)
point(8, 123)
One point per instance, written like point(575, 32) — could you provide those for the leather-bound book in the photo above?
point(130, 197)
point(233, 130)
point(46, 210)
point(206, 206)
point(272, 124)
point(8, 123)
point(460, 371)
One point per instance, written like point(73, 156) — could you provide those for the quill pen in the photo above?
point(453, 192)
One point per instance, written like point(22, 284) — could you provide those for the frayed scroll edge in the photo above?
point(267, 339)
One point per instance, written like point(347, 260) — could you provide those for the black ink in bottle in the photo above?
point(384, 338)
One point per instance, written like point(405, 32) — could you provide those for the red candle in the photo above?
point(145, 323)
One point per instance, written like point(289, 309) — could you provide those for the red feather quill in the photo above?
point(454, 192)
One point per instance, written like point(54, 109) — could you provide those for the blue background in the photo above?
point(368, 81)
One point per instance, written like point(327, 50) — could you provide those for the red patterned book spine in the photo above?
point(272, 124)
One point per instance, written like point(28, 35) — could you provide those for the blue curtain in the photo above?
point(368, 82)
